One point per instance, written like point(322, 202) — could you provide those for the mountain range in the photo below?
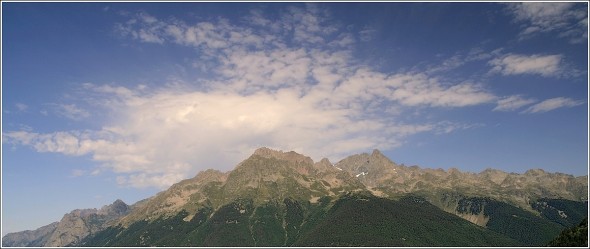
point(276, 198)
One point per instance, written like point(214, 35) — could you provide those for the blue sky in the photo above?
point(102, 101)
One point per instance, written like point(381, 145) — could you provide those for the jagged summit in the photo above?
point(364, 162)
point(377, 153)
point(210, 175)
point(490, 171)
point(117, 208)
point(291, 156)
point(535, 172)
point(326, 161)
point(262, 151)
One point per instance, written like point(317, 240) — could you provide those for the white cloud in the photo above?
point(568, 19)
point(343, 40)
point(445, 127)
point(462, 58)
point(147, 18)
point(167, 136)
point(209, 36)
point(148, 31)
point(552, 104)
point(21, 107)
point(70, 111)
point(367, 34)
point(309, 25)
point(512, 103)
point(428, 91)
point(544, 65)
point(78, 172)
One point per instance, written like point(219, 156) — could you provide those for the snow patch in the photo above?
point(362, 174)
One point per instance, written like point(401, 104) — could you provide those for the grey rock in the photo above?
point(34, 238)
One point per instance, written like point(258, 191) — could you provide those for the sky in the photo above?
point(106, 101)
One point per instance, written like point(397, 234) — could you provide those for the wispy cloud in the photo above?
point(21, 107)
point(71, 111)
point(552, 104)
point(445, 127)
point(544, 65)
point(309, 24)
point(512, 103)
point(462, 58)
point(568, 20)
point(77, 173)
point(367, 34)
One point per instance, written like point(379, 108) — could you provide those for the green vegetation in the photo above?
point(294, 216)
point(565, 212)
point(506, 219)
point(229, 226)
point(267, 229)
point(364, 220)
point(573, 237)
point(353, 220)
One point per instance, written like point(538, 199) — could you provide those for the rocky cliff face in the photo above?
point(35, 238)
point(73, 227)
point(187, 195)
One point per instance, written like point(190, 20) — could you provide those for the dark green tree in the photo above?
point(573, 237)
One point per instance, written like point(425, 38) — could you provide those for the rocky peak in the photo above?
point(33, 238)
point(325, 161)
point(119, 202)
point(489, 171)
point(264, 151)
point(364, 162)
point(535, 172)
point(377, 154)
point(324, 165)
point(290, 156)
point(117, 208)
point(81, 222)
point(82, 212)
point(454, 171)
point(494, 175)
point(371, 169)
point(210, 175)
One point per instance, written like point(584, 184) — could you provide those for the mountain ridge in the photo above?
point(270, 176)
